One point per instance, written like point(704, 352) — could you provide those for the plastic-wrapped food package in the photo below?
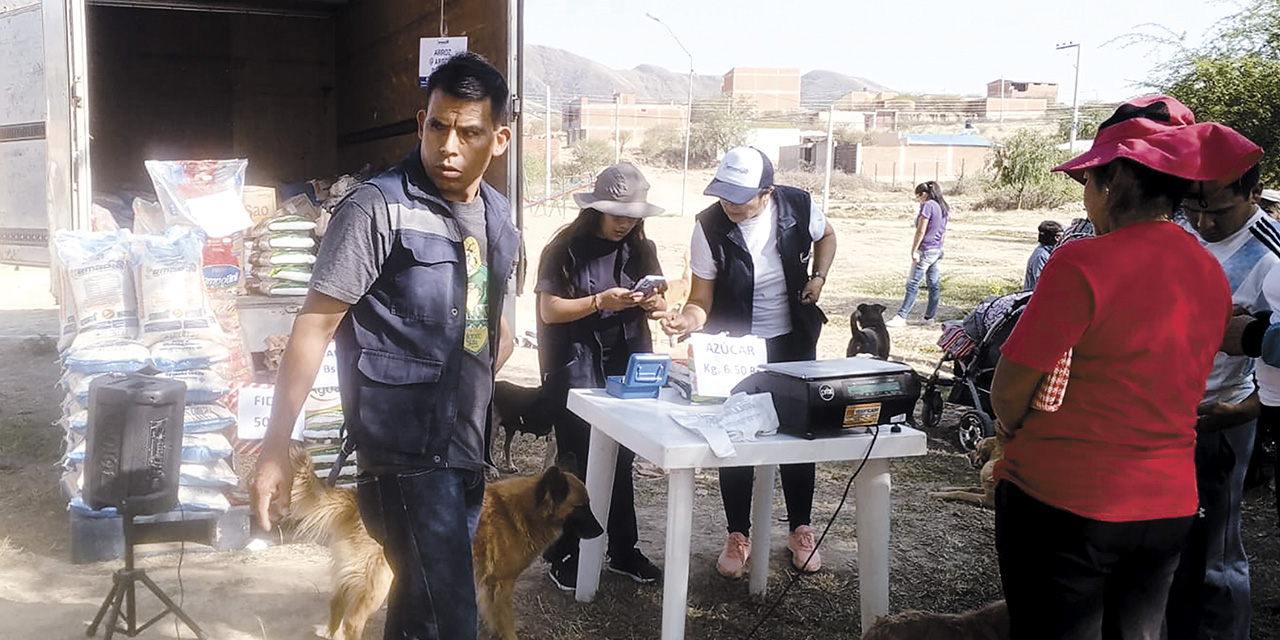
point(100, 283)
point(123, 356)
point(176, 354)
point(216, 474)
point(287, 273)
point(203, 385)
point(200, 448)
point(277, 241)
point(205, 193)
point(284, 257)
point(281, 288)
point(171, 299)
point(205, 418)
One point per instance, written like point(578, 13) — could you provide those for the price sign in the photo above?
point(327, 376)
point(433, 52)
point(718, 363)
point(254, 413)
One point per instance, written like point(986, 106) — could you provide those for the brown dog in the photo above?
point(988, 623)
point(988, 452)
point(520, 518)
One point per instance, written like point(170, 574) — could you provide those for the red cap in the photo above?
point(1161, 133)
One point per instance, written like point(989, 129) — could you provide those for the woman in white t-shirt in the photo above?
point(750, 259)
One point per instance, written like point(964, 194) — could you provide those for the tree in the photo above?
point(1021, 173)
point(718, 125)
point(1091, 115)
point(589, 157)
point(663, 145)
point(1233, 79)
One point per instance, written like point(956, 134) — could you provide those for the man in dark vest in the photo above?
point(750, 257)
point(409, 283)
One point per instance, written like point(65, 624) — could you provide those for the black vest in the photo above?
point(731, 302)
point(399, 348)
point(570, 354)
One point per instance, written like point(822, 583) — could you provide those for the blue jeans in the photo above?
point(1210, 594)
point(425, 521)
point(926, 267)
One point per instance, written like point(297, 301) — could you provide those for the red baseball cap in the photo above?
point(1161, 133)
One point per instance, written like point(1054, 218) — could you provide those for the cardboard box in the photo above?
point(260, 202)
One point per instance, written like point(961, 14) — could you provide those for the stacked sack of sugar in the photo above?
point(138, 304)
point(282, 250)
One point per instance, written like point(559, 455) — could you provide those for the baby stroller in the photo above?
point(972, 346)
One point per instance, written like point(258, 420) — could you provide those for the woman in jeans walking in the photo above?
point(926, 252)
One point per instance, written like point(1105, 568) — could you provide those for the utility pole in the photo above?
point(617, 135)
point(1075, 94)
point(546, 178)
point(831, 156)
point(688, 113)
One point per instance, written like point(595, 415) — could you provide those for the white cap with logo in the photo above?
point(743, 174)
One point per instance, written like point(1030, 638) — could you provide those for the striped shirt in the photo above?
point(1247, 257)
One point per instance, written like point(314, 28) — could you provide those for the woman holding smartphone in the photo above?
point(591, 318)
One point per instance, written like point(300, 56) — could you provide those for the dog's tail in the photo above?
point(318, 512)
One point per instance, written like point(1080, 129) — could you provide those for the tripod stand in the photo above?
point(122, 594)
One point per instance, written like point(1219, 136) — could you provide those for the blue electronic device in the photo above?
point(646, 373)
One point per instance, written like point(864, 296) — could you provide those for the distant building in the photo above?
point(911, 158)
point(1006, 89)
point(596, 120)
point(771, 89)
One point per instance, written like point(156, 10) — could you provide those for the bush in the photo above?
point(1021, 176)
point(663, 146)
point(589, 157)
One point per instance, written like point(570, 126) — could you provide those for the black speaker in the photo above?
point(134, 446)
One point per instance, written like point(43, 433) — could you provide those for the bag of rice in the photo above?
point(177, 354)
point(284, 224)
point(77, 422)
point(283, 257)
point(210, 474)
point(278, 288)
point(204, 418)
point(291, 273)
point(171, 299)
point(200, 448)
point(205, 193)
point(203, 385)
point(100, 284)
point(77, 384)
point(276, 241)
point(124, 356)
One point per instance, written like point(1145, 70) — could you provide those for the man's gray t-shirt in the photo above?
point(355, 245)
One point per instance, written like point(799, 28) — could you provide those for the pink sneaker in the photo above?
point(733, 560)
point(801, 543)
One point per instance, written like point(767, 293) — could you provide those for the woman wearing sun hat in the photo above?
point(1094, 501)
point(589, 324)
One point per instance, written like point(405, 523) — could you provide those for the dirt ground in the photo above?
point(942, 553)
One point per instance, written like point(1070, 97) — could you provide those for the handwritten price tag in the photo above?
point(327, 377)
point(719, 363)
point(254, 413)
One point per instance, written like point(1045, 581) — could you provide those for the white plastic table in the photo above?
point(644, 426)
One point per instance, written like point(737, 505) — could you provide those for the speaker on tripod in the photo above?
point(132, 460)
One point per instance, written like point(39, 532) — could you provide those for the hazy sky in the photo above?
point(910, 45)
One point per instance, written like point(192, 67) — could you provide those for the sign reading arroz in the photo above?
point(717, 363)
point(433, 52)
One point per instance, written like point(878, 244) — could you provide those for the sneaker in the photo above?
point(733, 560)
point(896, 321)
point(802, 546)
point(634, 565)
point(564, 573)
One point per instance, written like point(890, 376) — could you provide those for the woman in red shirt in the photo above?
point(1094, 501)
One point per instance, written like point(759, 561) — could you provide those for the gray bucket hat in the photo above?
point(620, 190)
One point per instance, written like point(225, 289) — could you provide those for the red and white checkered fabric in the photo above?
point(1053, 388)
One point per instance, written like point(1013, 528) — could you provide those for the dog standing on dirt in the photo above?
point(870, 335)
point(520, 518)
point(520, 409)
point(988, 623)
point(988, 452)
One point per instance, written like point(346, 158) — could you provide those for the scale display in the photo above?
point(872, 388)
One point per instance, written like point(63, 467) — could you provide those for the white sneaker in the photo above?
point(896, 321)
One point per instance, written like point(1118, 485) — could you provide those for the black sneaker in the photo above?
point(564, 573)
point(634, 565)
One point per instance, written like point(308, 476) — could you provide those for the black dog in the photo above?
point(869, 333)
point(521, 409)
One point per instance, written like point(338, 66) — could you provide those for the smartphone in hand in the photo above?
point(649, 285)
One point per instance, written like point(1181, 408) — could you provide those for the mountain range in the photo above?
point(571, 76)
